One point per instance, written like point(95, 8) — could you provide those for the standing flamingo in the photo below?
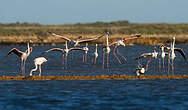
point(86, 49)
point(106, 50)
point(38, 62)
point(121, 43)
point(95, 55)
point(171, 53)
point(22, 55)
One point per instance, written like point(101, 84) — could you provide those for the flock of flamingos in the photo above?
point(165, 50)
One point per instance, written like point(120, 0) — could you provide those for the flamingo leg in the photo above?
point(66, 60)
point(86, 58)
point(172, 66)
point(63, 60)
point(159, 64)
point(103, 60)
point(121, 55)
point(40, 70)
point(168, 64)
point(114, 52)
point(83, 58)
point(147, 64)
point(107, 60)
point(163, 65)
point(22, 67)
point(95, 59)
point(72, 55)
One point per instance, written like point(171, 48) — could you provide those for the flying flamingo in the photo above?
point(86, 49)
point(95, 55)
point(38, 62)
point(23, 55)
point(64, 51)
point(76, 42)
point(121, 43)
point(152, 55)
point(106, 50)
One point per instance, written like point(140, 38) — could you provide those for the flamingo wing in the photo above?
point(55, 49)
point(181, 52)
point(89, 40)
point(65, 38)
point(76, 49)
point(144, 55)
point(133, 37)
point(15, 51)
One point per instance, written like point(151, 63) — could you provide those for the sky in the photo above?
point(84, 11)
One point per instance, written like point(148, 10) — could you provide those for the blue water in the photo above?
point(91, 94)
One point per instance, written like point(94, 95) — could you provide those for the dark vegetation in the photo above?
point(118, 27)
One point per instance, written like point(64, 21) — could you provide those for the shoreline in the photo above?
point(145, 39)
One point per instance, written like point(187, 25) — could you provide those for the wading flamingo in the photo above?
point(95, 55)
point(23, 55)
point(38, 62)
point(121, 43)
point(86, 49)
point(106, 51)
point(171, 52)
point(172, 55)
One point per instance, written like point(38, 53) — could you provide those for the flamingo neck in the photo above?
point(36, 67)
point(96, 48)
point(28, 49)
point(107, 44)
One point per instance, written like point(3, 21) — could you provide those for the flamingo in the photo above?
point(38, 62)
point(95, 55)
point(86, 49)
point(23, 55)
point(172, 54)
point(152, 55)
point(121, 43)
point(76, 42)
point(140, 70)
point(106, 50)
point(64, 51)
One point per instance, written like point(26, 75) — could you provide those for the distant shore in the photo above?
point(54, 41)
point(152, 34)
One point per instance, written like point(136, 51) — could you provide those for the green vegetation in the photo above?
point(118, 27)
point(41, 32)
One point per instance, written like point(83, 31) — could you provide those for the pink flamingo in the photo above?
point(86, 49)
point(23, 55)
point(95, 55)
point(64, 51)
point(76, 42)
point(121, 43)
point(150, 55)
point(38, 62)
point(106, 50)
